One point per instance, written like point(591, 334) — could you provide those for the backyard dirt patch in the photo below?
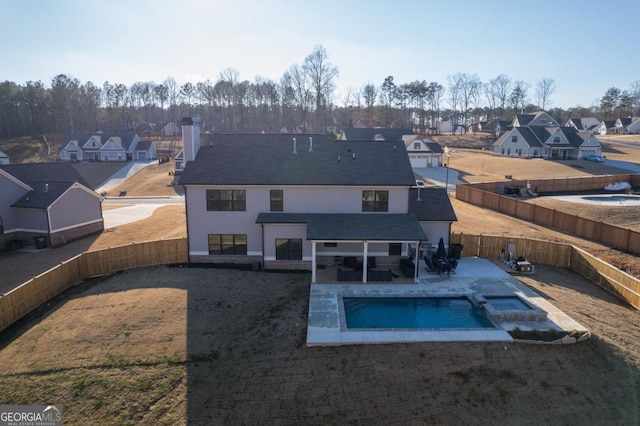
point(171, 345)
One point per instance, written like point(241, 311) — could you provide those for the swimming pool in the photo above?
point(413, 313)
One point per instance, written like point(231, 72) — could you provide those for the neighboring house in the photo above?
point(627, 125)
point(299, 201)
point(497, 127)
point(551, 142)
point(423, 152)
point(47, 201)
point(590, 124)
point(377, 134)
point(606, 126)
point(106, 147)
point(4, 158)
point(538, 118)
point(168, 128)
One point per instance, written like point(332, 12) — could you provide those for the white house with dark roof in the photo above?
point(423, 152)
point(46, 200)
point(107, 147)
point(531, 138)
point(299, 202)
point(590, 124)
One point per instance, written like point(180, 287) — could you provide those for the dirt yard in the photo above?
point(178, 345)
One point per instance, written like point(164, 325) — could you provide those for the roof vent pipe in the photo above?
point(295, 151)
point(46, 187)
point(353, 155)
point(310, 144)
point(338, 158)
point(394, 147)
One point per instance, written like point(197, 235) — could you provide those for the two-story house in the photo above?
point(539, 136)
point(298, 201)
point(107, 147)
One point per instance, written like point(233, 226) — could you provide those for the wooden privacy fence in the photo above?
point(561, 255)
point(38, 290)
point(482, 194)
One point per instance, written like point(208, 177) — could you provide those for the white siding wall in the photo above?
point(509, 148)
point(273, 231)
point(296, 200)
point(75, 208)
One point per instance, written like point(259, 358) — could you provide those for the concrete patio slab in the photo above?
point(474, 277)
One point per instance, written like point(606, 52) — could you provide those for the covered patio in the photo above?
point(354, 247)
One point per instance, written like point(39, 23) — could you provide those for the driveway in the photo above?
point(134, 209)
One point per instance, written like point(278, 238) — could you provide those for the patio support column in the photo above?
point(313, 262)
point(364, 261)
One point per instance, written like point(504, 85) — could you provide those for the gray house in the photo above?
point(539, 136)
point(46, 203)
point(300, 202)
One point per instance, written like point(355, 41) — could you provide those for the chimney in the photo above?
point(190, 138)
point(295, 151)
point(310, 144)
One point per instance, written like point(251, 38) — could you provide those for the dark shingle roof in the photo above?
point(434, 147)
point(144, 145)
point(367, 134)
point(45, 172)
point(358, 226)
point(268, 160)
point(43, 194)
point(434, 207)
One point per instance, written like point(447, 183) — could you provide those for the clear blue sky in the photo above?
point(586, 46)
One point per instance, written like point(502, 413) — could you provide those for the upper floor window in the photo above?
point(375, 201)
point(416, 145)
point(226, 200)
point(556, 139)
point(514, 139)
point(228, 244)
point(276, 200)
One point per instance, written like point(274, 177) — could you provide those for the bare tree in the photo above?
point(544, 89)
point(321, 72)
point(499, 91)
point(635, 94)
point(301, 87)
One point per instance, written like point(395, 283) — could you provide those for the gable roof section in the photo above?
point(45, 172)
point(43, 195)
point(434, 207)
point(356, 226)
point(144, 145)
point(435, 147)
point(264, 159)
point(368, 134)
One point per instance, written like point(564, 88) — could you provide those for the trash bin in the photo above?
point(40, 242)
point(455, 251)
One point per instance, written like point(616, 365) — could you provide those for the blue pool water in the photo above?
point(507, 303)
point(413, 312)
point(612, 198)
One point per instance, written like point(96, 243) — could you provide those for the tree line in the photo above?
point(302, 100)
